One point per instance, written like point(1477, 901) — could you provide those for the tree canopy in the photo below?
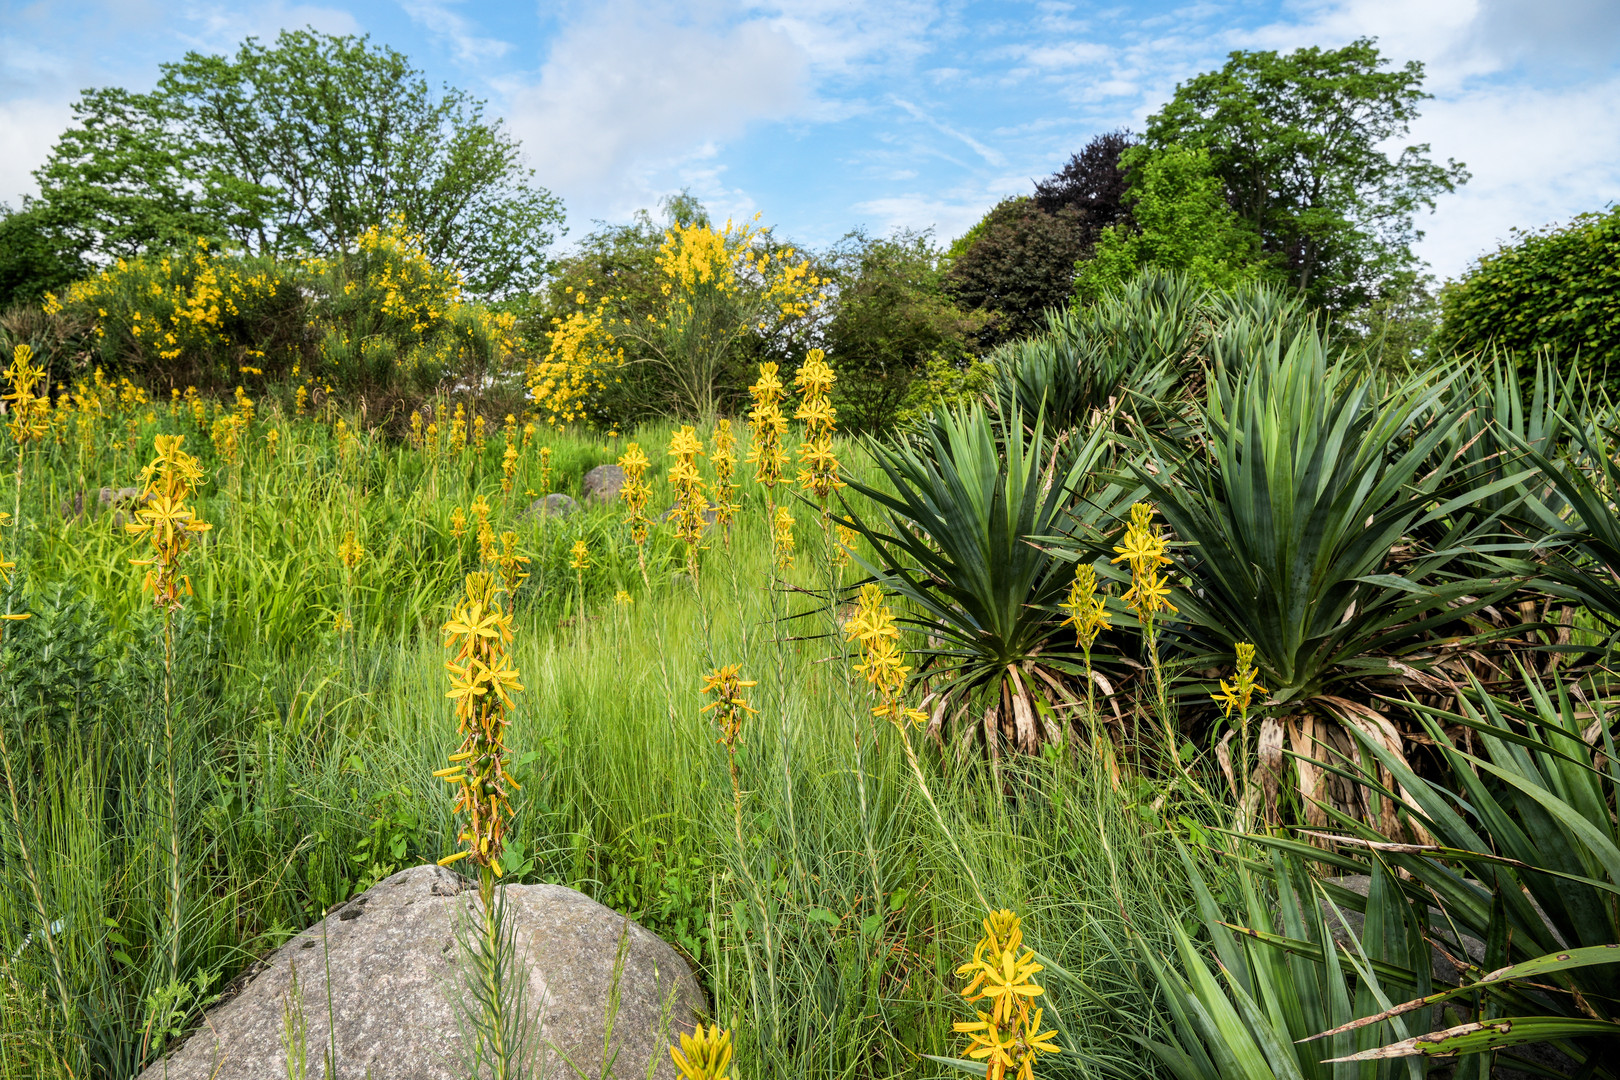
point(1018, 263)
point(34, 259)
point(1298, 140)
point(299, 147)
point(892, 320)
point(1094, 182)
point(1181, 222)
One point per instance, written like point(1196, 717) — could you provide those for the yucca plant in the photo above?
point(971, 493)
point(1525, 859)
point(1302, 966)
point(1572, 520)
point(1128, 351)
point(1295, 517)
point(1505, 411)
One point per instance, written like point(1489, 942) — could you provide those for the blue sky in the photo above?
point(825, 115)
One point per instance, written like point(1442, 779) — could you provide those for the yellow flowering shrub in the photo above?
point(384, 315)
point(195, 317)
point(718, 297)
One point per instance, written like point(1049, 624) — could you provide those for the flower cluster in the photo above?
point(165, 521)
point(511, 566)
point(576, 366)
point(1088, 611)
point(350, 552)
point(847, 538)
point(729, 705)
point(30, 418)
point(579, 557)
point(1008, 1038)
point(1235, 696)
point(723, 457)
point(882, 662)
point(767, 426)
point(704, 1055)
point(1144, 549)
point(635, 493)
point(818, 470)
point(482, 682)
point(690, 502)
point(782, 538)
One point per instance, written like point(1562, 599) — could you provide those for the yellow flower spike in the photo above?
point(724, 459)
point(1088, 612)
point(847, 539)
point(482, 684)
point(704, 1055)
point(782, 538)
point(729, 704)
point(691, 504)
point(767, 425)
point(579, 556)
point(350, 552)
point(989, 1044)
point(1237, 695)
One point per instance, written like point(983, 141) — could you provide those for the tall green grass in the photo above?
point(828, 940)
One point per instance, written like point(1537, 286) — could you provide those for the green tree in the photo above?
point(1555, 288)
point(1298, 140)
point(34, 259)
point(299, 147)
point(891, 320)
point(1015, 265)
point(1182, 222)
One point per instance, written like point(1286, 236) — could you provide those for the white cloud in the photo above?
point(627, 92)
point(1065, 54)
point(28, 128)
point(948, 217)
point(989, 154)
point(468, 46)
point(1536, 156)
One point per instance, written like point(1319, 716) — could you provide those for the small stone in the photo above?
point(602, 484)
point(554, 505)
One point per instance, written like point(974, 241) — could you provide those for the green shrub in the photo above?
point(1555, 288)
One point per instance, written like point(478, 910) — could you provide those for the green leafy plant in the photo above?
point(1523, 854)
point(970, 494)
point(1293, 972)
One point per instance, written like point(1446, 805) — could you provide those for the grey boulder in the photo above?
point(393, 956)
point(602, 484)
point(554, 505)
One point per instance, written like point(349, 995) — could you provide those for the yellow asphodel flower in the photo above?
point(704, 1055)
point(1088, 612)
point(782, 538)
point(727, 687)
point(1150, 595)
point(350, 552)
point(1007, 981)
point(987, 1043)
point(579, 556)
point(1236, 696)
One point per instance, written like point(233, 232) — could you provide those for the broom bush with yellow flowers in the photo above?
point(381, 318)
point(715, 298)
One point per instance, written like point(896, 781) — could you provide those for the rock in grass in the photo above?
point(602, 484)
point(554, 505)
point(392, 955)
